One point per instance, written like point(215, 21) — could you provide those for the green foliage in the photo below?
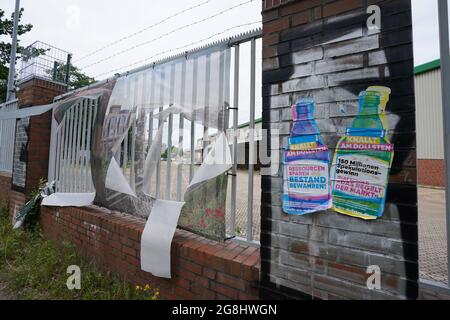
point(164, 155)
point(77, 78)
point(6, 30)
point(35, 268)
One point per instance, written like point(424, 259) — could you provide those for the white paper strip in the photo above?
point(157, 237)
point(218, 161)
point(69, 200)
point(38, 110)
point(115, 180)
point(26, 112)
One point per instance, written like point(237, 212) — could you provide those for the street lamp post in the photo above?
point(12, 63)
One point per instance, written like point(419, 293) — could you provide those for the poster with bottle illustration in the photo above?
point(361, 165)
point(356, 182)
point(306, 175)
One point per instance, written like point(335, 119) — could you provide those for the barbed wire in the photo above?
point(167, 34)
point(176, 49)
point(113, 43)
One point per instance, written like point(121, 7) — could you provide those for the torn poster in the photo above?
point(363, 159)
point(306, 178)
point(115, 180)
point(157, 237)
point(69, 200)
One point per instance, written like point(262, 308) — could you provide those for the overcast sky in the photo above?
point(82, 26)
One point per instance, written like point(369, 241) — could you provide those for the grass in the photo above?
point(34, 268)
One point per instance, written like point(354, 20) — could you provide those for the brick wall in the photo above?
point(431, 172)
point(323, 49)
point(201, 269)
point(32, 139)
point(5, 188)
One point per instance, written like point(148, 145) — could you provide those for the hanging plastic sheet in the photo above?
point(204, 211)
point(157, 238)
point(69, 200)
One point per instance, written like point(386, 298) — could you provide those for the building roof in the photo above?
point(427, 67)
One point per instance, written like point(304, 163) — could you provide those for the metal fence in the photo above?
point(70, 154)
point(45, 61)
point(70, 158)
point(7, 134)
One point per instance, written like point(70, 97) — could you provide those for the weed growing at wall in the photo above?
point(35, 268)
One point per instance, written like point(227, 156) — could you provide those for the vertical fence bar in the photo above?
point(58, 155)
point(125, 154)
point(77, 165)
point(251, 137)
point(94, 118)
point(73, 147)
point(160, 123)
point(169, 158)
point(207, 104)
point(83, 148)
point(63, 155)
point(150, 125)
point(194, 103)
point(67, 138)
point(53, 146)
point(445, 74)
point(150, 142)
point(169, 136)
point(133, 154)
point(235, 141)
point(87, 172)
point(181, 133)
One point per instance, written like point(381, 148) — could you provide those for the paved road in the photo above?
point(432, 235)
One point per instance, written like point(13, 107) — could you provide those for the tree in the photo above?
point(77, 78)
point(6, 29)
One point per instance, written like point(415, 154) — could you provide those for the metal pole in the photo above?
point(251, 139)
point(67, 79)
point(445, 71)
point(235, 141)
point(12, 62)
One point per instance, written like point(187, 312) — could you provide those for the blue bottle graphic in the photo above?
point(306, 178)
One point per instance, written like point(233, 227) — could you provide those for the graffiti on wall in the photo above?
point(21, 154)
point(332, 62)
point(331, 65)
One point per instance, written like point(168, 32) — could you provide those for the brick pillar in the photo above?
point(325, 51)
point(32, 141)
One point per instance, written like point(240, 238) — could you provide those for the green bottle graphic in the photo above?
point(363, 159)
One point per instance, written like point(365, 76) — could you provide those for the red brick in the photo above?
point(230, 281)
point(276, 25)
point(300, 18)
point(226, 291)
point(299, 6)
point(431, 172)
point(341, 6)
